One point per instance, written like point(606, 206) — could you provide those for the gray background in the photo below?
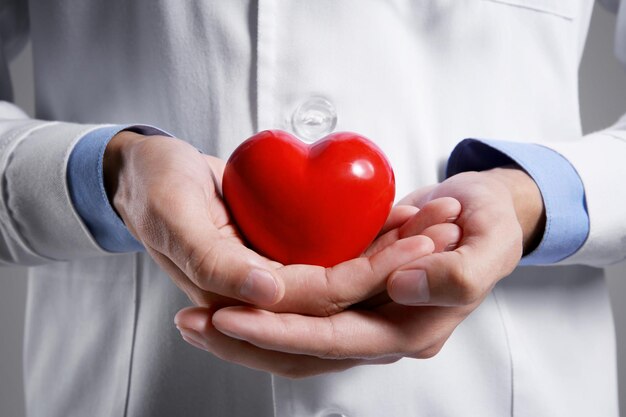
point(603, 100)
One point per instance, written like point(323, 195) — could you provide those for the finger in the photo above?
point(445, 236)
point(214, 261)
point(228, 268)
point(397, 217)
point(197, 296)
point(305, 335)
point(462, 276)
point(325, 291)
point(393, 330)
point(196, 328)
point(440, 210)
point(419, 197)
point(389, 233)
point(382, 242)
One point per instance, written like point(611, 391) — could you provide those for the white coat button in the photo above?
point(314, 119)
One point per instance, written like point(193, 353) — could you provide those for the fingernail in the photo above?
point(410, 287)
point(451, 219)
point(450, 247)
point(192, 337)
point(259, 288)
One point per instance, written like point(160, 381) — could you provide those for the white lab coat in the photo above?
point(414, 76)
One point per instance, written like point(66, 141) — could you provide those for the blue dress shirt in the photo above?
point(567, 222)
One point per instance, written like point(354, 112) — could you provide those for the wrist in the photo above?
point(113, 160)
point(527, 202)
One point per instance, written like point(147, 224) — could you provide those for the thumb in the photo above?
point(460, 277)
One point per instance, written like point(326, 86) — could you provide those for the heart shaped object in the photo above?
point(317, 204)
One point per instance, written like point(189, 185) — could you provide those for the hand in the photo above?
point(168, 195)
point(502, 213)
point(198, 325)
point(502, 218)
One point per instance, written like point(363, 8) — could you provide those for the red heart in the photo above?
point(317, 204)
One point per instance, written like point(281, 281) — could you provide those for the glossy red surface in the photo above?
point(317, 204)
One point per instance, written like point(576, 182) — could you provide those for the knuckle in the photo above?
point(429, 352)
point(330, 334)
point(484, 219)
point(332, 303)
point(201, 265)
point(332, 306)
point(464, 284)
point(412, 346)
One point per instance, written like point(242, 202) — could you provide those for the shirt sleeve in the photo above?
point(89, 197)
point(562, 191)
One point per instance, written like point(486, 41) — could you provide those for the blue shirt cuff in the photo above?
point(562, 190)
point(89, 197)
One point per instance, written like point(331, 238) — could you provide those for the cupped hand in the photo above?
point(168, 195)
point(502, 215)
point(295, 344)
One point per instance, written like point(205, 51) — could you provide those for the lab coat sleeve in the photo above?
point(600, 160)
point(38, 222)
